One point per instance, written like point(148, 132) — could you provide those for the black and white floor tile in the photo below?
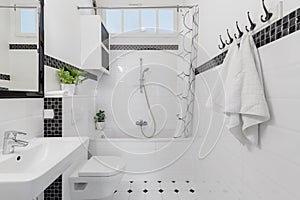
point(156, 190)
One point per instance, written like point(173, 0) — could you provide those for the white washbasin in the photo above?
point(30, 170)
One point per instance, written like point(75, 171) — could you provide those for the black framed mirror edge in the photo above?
point(40, 93)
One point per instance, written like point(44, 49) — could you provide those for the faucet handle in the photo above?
point(14, 133)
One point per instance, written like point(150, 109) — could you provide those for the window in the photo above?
point(148, 18)
point(141, 21)
point(131, 21)
point(113, 21)
point(166, 20)
point(28, 21)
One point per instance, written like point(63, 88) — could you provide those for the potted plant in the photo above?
point(100, 120)
point(69, 78)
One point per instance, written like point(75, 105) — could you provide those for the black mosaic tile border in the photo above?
point(4, 77)
point(214, 62)
point(55, 63)
point(53, 127)
point(277, 30)
point(54, 191)
point(120, 47)
point(23, 46)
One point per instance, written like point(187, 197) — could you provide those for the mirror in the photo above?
point(21, 48)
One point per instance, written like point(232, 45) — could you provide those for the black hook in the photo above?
point(268, 14)
point(230, 38)
point(223, 45)
point(253, 25)
point(240, 32)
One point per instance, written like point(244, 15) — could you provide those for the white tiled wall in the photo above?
point(120, 97)
point(24, 115)
point(150, 159)
point(232, 171)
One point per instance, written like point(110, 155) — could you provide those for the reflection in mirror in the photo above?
point(19, 57)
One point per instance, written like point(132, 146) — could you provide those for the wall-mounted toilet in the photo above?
point(97, 178)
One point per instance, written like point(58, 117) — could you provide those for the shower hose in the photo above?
point(152, 116)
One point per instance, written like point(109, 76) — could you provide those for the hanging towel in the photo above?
point(239, 92)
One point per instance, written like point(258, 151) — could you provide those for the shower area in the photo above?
point(149, 93)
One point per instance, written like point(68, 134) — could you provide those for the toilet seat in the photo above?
point(102, 166)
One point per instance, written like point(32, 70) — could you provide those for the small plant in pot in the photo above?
point(100, 120)
point(69, 78)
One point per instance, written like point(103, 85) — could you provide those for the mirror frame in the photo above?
point(40, 92)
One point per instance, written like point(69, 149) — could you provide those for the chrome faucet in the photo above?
point(10, 141)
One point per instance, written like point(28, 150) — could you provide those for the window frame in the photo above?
point(142, 33)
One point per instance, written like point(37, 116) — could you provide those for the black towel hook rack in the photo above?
point(230, 38)
point(252, 24)
point(223, 45)
point(239, 30)
point(268, 14)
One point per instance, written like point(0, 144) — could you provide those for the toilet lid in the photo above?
point(101, 166)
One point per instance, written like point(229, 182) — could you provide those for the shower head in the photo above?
point(143, 74)
point(145, 70)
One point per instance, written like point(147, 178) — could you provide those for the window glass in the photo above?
point(114, 21)
point(131, 20)
point(148, 20)
point(28, 21)
point(144, 20)
point(166, 20)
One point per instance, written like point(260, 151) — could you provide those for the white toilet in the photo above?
point(97, 178)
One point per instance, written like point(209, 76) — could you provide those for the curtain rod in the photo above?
point(134, 7)
point(15, 7)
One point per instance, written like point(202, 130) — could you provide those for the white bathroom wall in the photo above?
point(24, 115)
point(232, 171)
point(150, 159)
point(120, 97)
point(78, 113)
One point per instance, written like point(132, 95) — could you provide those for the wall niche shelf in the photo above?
point(95, 41)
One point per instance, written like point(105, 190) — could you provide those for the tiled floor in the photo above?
point(157, 190)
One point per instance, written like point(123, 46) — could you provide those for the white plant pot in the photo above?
point(69, 88)
point(100, 126)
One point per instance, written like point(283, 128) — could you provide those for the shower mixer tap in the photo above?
point(141, 123)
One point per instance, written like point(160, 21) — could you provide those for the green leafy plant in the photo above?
point(100, 116)
point(68, 75)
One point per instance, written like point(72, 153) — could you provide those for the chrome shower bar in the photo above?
point(134, 7)
point(15, 7)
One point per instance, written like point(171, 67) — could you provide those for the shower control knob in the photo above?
point(141, 123)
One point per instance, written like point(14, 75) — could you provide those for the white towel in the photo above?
point(239, 92)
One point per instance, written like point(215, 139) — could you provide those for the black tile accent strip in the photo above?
point(277, 30)
point(54, 191)
point(55, 63)
point(214, 62)
point(4, 77)
point(22, 46)
point(120, 47)
point(53, 127)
